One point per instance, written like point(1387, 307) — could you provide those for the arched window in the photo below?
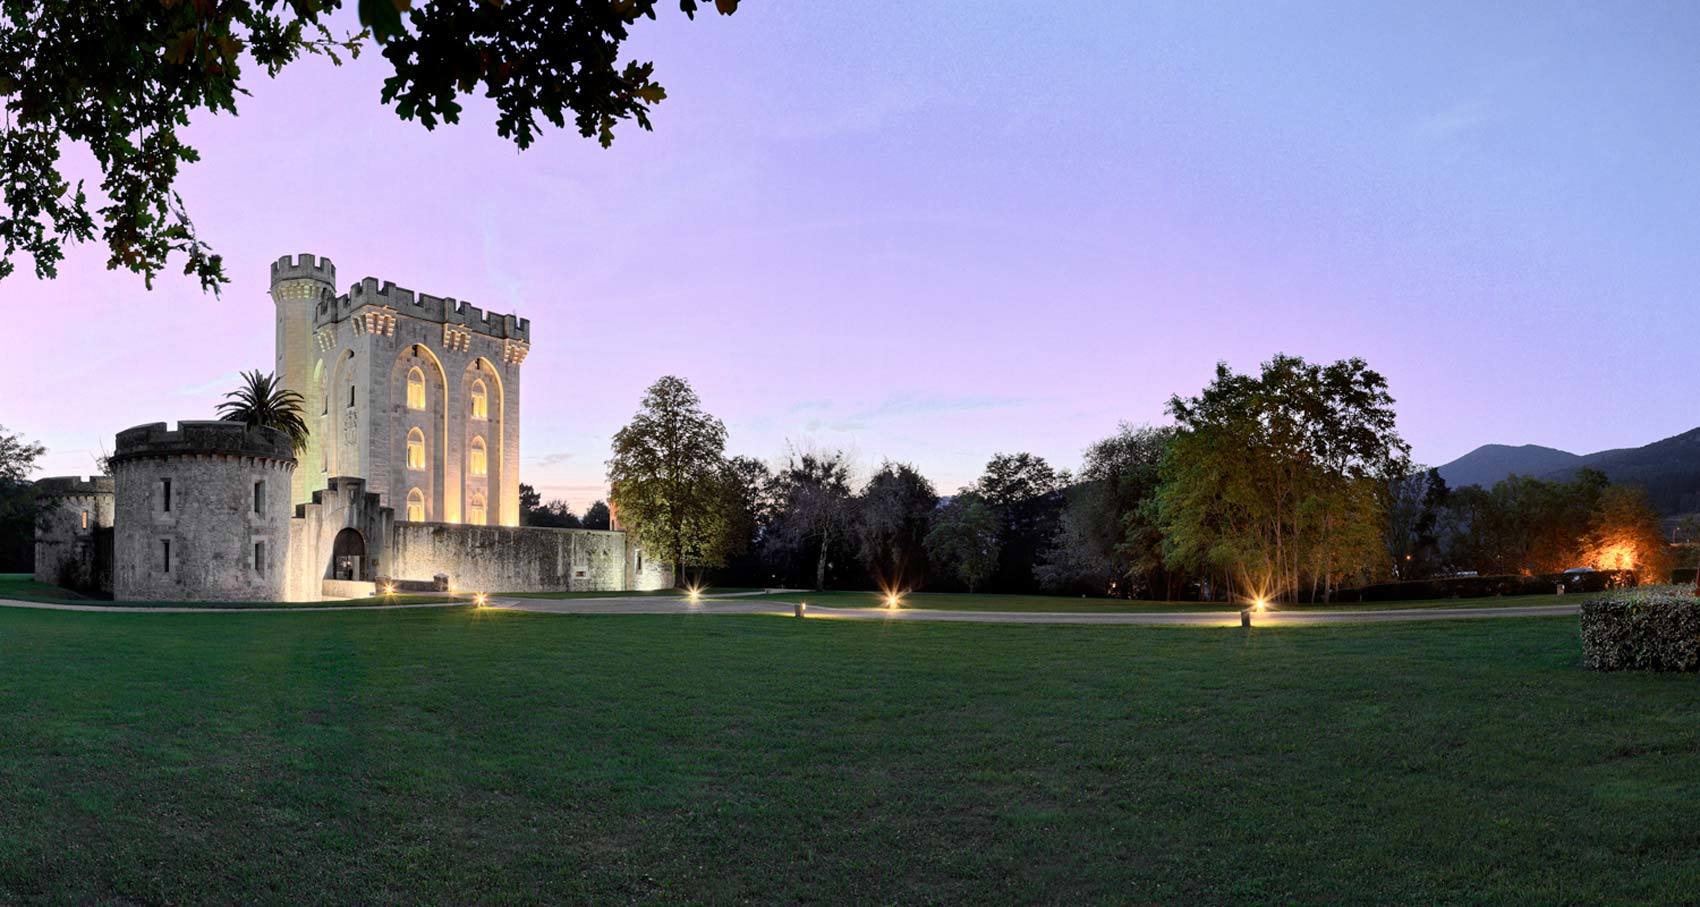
point(479, 463)
point(480, 401)
point(415, 449)
point(475, 510)
point(415, 389)
point(416, 506)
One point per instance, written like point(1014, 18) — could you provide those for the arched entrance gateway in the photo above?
point(348, 556)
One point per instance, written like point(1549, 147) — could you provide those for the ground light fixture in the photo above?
point(480, 599)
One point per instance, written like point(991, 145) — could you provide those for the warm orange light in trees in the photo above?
point(1616, 556)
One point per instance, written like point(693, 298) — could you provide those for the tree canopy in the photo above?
point(668, 473)
point(122, 80)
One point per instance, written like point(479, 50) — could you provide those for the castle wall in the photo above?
point(221, 531)
point(521, 558)
point(73, 537)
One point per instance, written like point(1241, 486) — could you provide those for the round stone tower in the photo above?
point(202, 512)
point(299, 285)
point(73, 534)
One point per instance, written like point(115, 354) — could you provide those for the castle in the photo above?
point(409, 476)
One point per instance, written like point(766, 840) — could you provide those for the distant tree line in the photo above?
point(1290, 483)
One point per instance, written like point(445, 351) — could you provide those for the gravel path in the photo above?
point(729, 604)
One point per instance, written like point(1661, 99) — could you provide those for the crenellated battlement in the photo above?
point(302, 266)
point(423, 306)
point(67, 486)
point(192, 438)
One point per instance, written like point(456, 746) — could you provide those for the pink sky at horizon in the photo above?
point(942, 234)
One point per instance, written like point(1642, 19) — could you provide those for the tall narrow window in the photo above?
point(165, 555)
point(475, 510)
point(415, 449)
point(165, 495)
point(351, 396)
point(480, 401)
point(478, 462)
point(85, 519)
point(415, 389)
point(260, 498)
point(416, 506)
point(260, 558)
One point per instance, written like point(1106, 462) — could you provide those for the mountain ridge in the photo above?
point(1669, 468)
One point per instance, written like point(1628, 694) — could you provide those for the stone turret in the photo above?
point(298, 285)
point(73, 535)
point(202, 512)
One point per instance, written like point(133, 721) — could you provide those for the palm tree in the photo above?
point(262, 400)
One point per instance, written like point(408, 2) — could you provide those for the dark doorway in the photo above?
point(348, 555)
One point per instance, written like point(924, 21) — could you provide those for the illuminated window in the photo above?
point(85, 519)
point(479, 463)
point(415, 449)
point(416, 506)
point(415, 389)
point(475, 511)
point(480, 401)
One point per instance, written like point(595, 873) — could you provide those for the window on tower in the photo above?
point(416, 506)
point(415, 389)
point(475, 510)
point(415, 449)
point(477, 461)
point(480, 401)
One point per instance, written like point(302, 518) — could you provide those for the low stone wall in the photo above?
point(520, 558)
point(338, 589)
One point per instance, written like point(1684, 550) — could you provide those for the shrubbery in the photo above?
point(1488, 586)
point(1655, 629)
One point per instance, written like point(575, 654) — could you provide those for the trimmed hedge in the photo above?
point(1643, 630)
point(1488, 586)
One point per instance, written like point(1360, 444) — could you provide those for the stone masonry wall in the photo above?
point(514, 558)
point(73, 535)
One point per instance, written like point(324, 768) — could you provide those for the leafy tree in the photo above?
point(263, 401)
point(1106, 540)
point(894, 514)
point(1272, 476)
point(556, 514)
point(813, 515)
point(965, 538)
point(122, 79)
point(1416, 504)
point(1625, 533)
point(596, 516)
point(18, 456)
point(750, 507)
point(1026, 495)
point(668, 477)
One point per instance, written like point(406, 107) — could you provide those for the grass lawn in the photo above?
point(453, 755)
point(957, 601)
point(22, 587)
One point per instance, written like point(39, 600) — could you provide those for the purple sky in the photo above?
point(931, 231)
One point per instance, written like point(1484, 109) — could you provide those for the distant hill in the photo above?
point(1669, 469)
point(1491, 463)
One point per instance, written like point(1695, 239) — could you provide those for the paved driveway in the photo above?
point(655, 604)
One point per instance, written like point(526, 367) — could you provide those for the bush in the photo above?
point(1684, 576)
point(1656, 629)
point(1488, 586)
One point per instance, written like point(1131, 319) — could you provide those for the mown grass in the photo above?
point(455, 756)
point(957, 601)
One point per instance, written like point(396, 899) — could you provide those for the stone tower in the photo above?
point(299, 285)
point(201, 512)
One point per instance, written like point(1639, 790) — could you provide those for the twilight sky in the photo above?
point(931, 231)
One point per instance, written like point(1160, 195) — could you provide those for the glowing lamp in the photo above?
point(480, 599)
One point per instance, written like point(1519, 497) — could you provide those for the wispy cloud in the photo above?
point(219, 385)
point(551, 459)
point(1454, 121)
point(904, 406)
